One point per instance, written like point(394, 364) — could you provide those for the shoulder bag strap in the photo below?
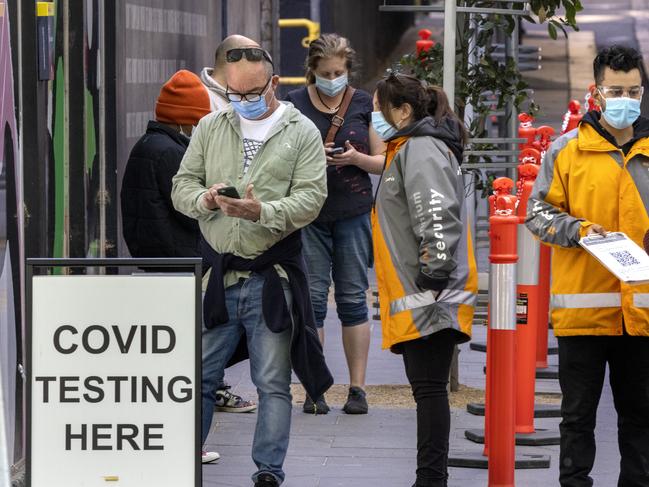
point(339, 118)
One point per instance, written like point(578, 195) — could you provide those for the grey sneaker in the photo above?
point(356, 402)
point(231, 403)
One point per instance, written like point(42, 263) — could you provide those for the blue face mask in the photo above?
point(621, 112)
point(331, 87)
point(251, 110)
point(381, 126)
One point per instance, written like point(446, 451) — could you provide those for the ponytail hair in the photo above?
point(426, 100)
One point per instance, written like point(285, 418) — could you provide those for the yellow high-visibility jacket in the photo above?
point(585, 179)
point(422, 240)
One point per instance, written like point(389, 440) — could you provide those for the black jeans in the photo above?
point(582, 367)
point(428, 362)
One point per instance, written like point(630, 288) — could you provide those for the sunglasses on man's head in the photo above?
point(253, 54)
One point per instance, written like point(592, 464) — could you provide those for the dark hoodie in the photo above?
point(152, 226)
point(640, 130)
point(447, 130)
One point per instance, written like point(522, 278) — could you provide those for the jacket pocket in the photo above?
point(282, 163)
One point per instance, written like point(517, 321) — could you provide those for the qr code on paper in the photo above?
point(625, 258)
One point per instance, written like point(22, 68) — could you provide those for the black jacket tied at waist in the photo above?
point(307, 358)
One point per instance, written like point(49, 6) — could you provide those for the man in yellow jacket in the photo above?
point(595, 179)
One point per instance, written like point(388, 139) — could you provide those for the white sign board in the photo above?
point(113, 381)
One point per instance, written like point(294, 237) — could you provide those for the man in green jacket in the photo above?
point(273, 157)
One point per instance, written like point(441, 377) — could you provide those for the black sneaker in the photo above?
point(320, 406)
point(266, 480)
point(356, 402)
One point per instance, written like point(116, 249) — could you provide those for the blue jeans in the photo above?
point(340, 250)
point(270, 370)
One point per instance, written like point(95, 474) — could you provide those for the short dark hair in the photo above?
point(618, 58)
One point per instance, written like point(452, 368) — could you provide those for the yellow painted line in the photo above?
point(111, 478)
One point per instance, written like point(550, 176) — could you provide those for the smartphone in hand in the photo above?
point(229, 191)
point(337, 150)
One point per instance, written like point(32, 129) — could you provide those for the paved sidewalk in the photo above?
point(379, 449)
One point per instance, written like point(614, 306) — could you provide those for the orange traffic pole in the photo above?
point(533, 156)
point(527, 313)
point(502, 188)
point(544, 308)
point(502, 325)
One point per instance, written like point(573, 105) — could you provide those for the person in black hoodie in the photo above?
point(151, 225)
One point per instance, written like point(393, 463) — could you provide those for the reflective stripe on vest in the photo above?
point(419, 300)
point(641, 300)
point(592, 300)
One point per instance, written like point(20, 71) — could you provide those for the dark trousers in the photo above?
point(428, 362)
point(582, 366)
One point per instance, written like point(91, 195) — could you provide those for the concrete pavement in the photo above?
point(379, 449)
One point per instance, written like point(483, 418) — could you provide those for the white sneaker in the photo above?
point(210, 456)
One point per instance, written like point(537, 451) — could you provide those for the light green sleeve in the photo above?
point(308, 189)
point(189, 182)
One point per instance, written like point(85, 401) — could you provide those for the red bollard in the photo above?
point(526, 131)
point(532, 156)
point(527, 313)
point(424, 43)
point(502, 325)
point(590, 100)
point(501, 187)
point(545, 134)
point(572, 117)
point(545, 258)
point(529, 156)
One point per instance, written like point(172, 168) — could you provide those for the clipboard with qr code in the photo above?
point(620, 255)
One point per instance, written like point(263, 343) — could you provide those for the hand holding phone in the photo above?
point(229, 191)
point(337, 150)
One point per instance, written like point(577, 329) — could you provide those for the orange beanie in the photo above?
point(183, 100)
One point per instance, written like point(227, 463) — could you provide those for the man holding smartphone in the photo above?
point(273, 156)
point(214, 81)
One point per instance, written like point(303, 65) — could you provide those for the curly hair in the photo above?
point(618, 58)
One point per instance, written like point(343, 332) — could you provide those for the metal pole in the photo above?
point(315, 10)
point(102, 132)
point(511, 47)
point(469, 115)
point(450, 20)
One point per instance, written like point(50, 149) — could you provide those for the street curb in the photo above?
point(582, 49)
